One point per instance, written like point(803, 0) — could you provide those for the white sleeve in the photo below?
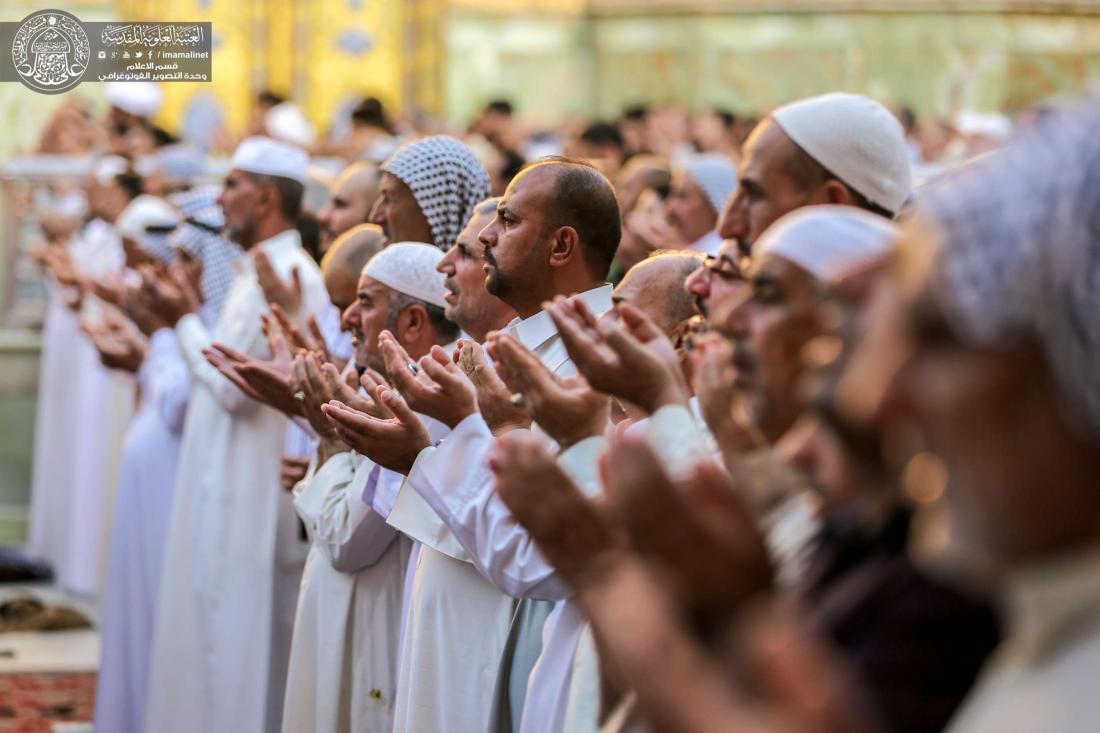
point(193, 338)
point(455, 480)
point(352, 535)
point(412, 516)
point(679, 441)
point(165, 377)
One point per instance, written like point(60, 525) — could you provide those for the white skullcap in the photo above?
point(109, 166)
point(143, 212)
point(716, 175)
point(181, 162)
point(139, 98)
point(269, 157)
point(857, 140)
point(829, 242)
point(286, 122)
point(409, 268)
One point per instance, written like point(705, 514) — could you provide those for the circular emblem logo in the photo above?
point(51, 51)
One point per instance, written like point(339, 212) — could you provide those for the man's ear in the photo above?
point(565, 247)
point(835, 192)
point(411, 324)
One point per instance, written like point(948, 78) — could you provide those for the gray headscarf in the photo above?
point(445, 178)
point(1021, 254)
point(200, 236)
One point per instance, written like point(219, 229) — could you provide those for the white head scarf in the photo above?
point(829, 242)
point(1021, 250)
point(445, 178)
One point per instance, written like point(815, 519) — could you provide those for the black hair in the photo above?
point(511, 165)
point(500, 106)
point(269, 98)
point(370, 112)
point(309, 229)
point(131, 183)
point(603, 133)
point(585, 200)
point(729, 119)
point(636, 113)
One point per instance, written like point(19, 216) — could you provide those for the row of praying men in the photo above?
point(829, 464)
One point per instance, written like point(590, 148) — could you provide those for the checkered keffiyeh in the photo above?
point(200, 237)
point(445, 178)
point(1021, 250)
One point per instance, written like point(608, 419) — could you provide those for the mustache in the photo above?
point(487, 255)
point(451, 284)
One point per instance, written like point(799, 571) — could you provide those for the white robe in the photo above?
point(213, 667)
point(343, 660)
point(143, 509)
point(84, 412)
point(455, 627)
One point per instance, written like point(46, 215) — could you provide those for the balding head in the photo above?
point(353, 195)
point(555, 233)
point(346, 258)
point(656, 287)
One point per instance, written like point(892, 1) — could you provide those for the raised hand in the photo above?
point(169, 293)
point(566, 408)
point(432, 386)
point(570, 529)
point(629, 358)
point(312, 390)
point(392, 443)
point(287, 295)
point(296, 339)
point(713, 374)
point(498, 408)
point(134, 305)
point(267, 382)
point(292, 469)
point(119, 347)
point(699, 530)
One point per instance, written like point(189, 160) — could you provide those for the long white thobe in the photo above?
point(343, 659)
point(454, 629)
point(454, 480)
point(84, 414)
point(212, 666)
point(142, 514)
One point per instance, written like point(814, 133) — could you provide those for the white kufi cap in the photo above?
point(857, 140)
point(829, 242)
point(716, 175)
point(287, 122)
point(269, 157)
point(409, 268)
point(140, 98)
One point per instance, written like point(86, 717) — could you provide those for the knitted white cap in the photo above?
point(140, 98)
point(857, 140)
point(829, 242)
point(716, 175)
point(409, 268)
point(269, 157)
